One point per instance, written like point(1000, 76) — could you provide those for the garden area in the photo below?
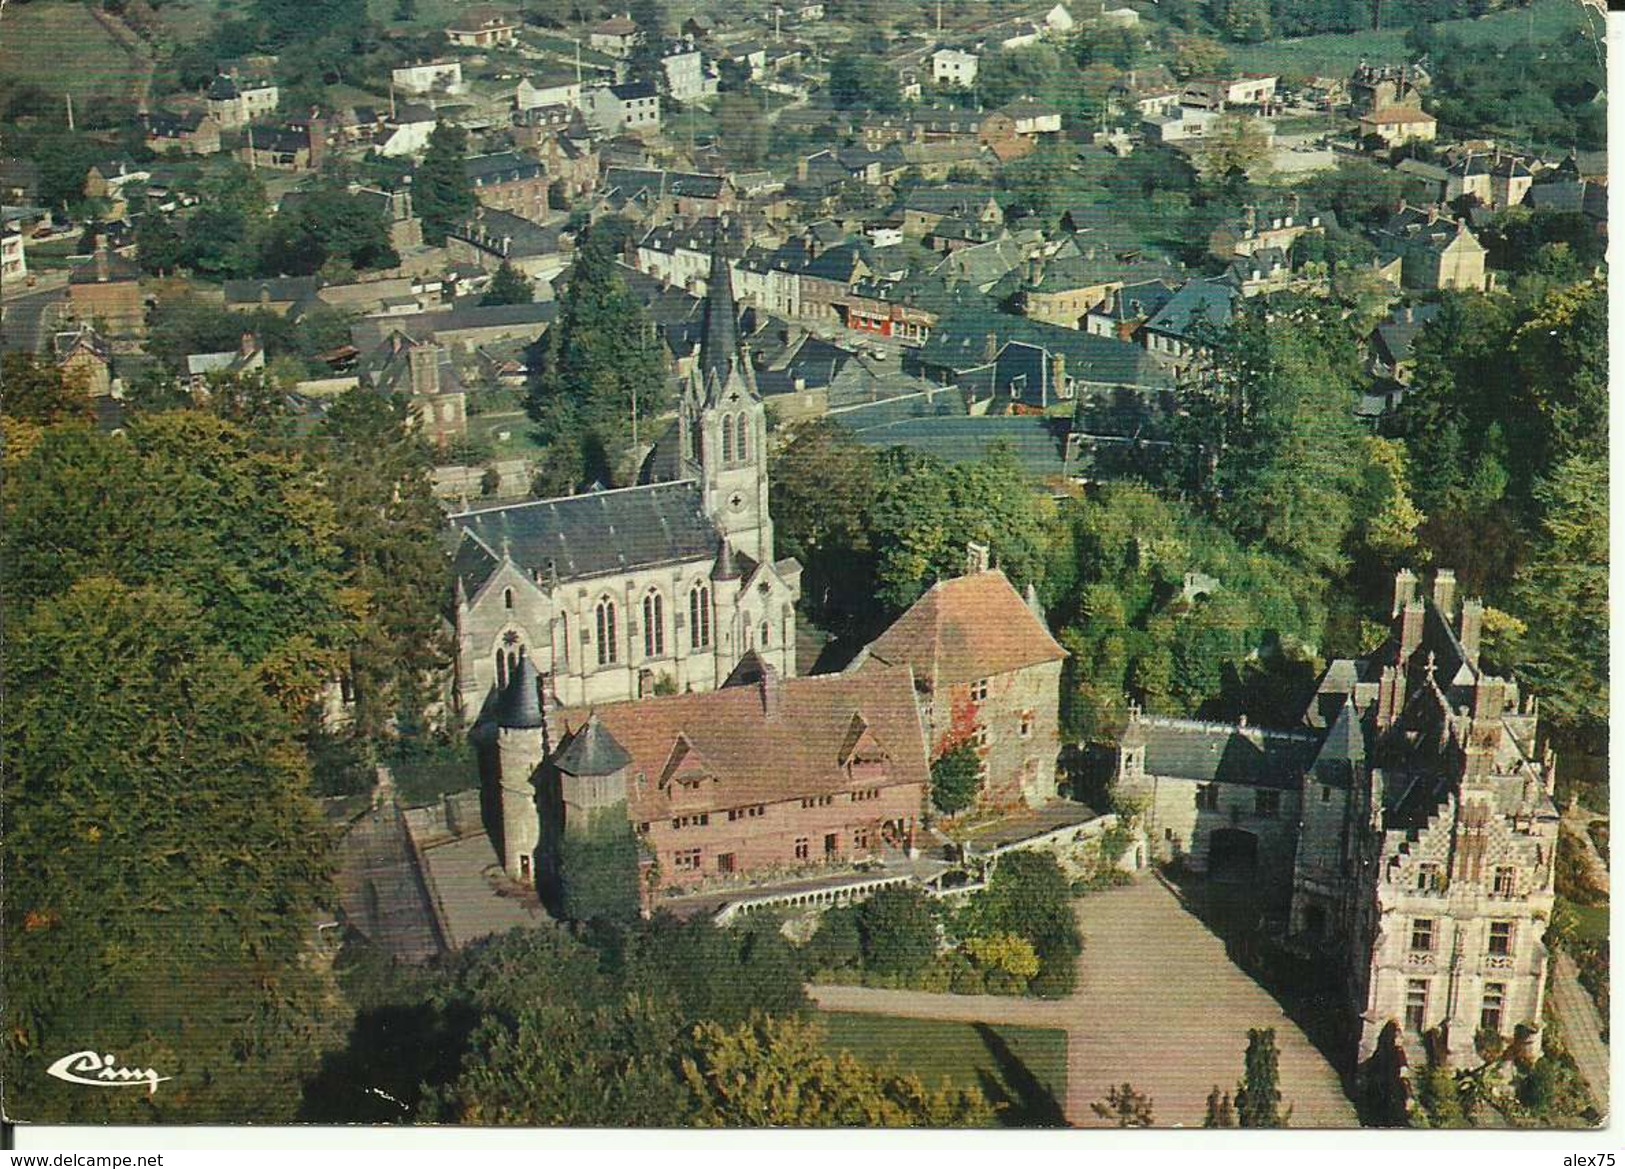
point(1022, 1070)
point(1018, 936)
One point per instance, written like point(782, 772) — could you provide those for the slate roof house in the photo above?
point(612, 593)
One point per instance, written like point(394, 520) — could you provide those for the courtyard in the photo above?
point(1159, 1004)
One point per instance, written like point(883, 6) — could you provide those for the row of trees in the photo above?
point(657, 1023)
point(177, 598)
point(233, 233)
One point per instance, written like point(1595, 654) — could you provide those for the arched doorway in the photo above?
point(1232, 855)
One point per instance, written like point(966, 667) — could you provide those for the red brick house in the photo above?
point(765, 775)
point(975, 647)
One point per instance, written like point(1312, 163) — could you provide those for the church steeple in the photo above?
point(719, 344)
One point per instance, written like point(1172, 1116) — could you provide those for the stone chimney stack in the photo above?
point(772, 693)
point(103, 274)
point(1404, 591)
point(1472, 629)
point(247, 344)
point(978, 558)
point(1444, 592)
point(1410, 630)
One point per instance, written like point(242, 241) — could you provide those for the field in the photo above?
point(1023, 1066)
point(1337, 54)
point(59, 47)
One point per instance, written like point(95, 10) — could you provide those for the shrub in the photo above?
point(898, 930)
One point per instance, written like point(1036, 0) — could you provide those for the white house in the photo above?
point(615, 109)
point(406, 134)
point(954, 67)
point(429, 77)
point(686, 77)
point(535, 92)
point(13, 257)
point(1059, 20)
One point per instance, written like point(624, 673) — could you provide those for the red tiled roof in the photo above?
point(967, 628)
point(1398, 116)
point(727, 740)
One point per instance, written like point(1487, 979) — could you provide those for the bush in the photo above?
point(898, 930)
point(955, 780)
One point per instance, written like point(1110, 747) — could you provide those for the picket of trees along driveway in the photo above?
point(1158, 1004)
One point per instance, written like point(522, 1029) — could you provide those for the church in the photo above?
point(660, 588)
point(1405, 830)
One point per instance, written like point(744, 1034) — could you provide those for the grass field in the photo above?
point(1590, 921)
point(58, 46)
point(1022, 1067)
point(1336, 54)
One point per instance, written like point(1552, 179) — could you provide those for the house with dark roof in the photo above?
point(509, 181)
point(106, 293)
point(981, 657)
point(491, 236)
point(193, 133)
point(612, 593)
point(421, 372)
point(284, 295)
point(1183, 328)
point(629, 108)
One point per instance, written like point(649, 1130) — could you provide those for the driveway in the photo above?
point(1158, 1005)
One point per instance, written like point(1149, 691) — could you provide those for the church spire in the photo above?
point(719, 345)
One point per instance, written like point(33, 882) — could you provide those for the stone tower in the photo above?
point(520, 746)
point(589, 858)
point(723, 427)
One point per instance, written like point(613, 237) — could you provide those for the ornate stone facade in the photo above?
point(1408, 826)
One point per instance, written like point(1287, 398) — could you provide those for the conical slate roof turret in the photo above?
point(592, 751)
point(520, 707)
point(726, 567)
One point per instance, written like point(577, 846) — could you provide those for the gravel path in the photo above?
point(1582, 1027)
point(1158, 1004)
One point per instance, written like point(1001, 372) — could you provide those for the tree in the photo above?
point(857, 80)
point(1561, 593)
point(184, 501)
point(1030, 897)
point(38, 391)
point(396, 580)
point(898, 931)
point(1004, 952)
point(602, 366)
point(159, 247)
point(508, 286)
point(956, 778)
point(1258, 1096)
point(650, 46)
point(1220, 1113)
point(778, 1073)
point(328, 226)
point(224, 235)
point(1237, 144)
point(824, 481)
point(179, 811)
point(441, 192)
point(1125, 1106)
point(1281, 400)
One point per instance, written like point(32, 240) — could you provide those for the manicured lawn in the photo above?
point(1022, 1066)
point(1336, 54)
point(59, 47)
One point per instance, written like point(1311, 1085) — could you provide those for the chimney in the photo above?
point(1390, 696)
point(247, 344)
point(1489, 699)
point(772, 693)
point(102, 272)
point(1444, 592)
point(1472, 628)
point(991, 349)
point(1410, 630)
point(424, 365)
point(1404, 590)
point(977, 558)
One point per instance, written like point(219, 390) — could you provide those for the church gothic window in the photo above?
point(606, 632)
point(727, 438)
point(654, 625)
point(507, 598)
point(699, 617)
point(741, 438)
